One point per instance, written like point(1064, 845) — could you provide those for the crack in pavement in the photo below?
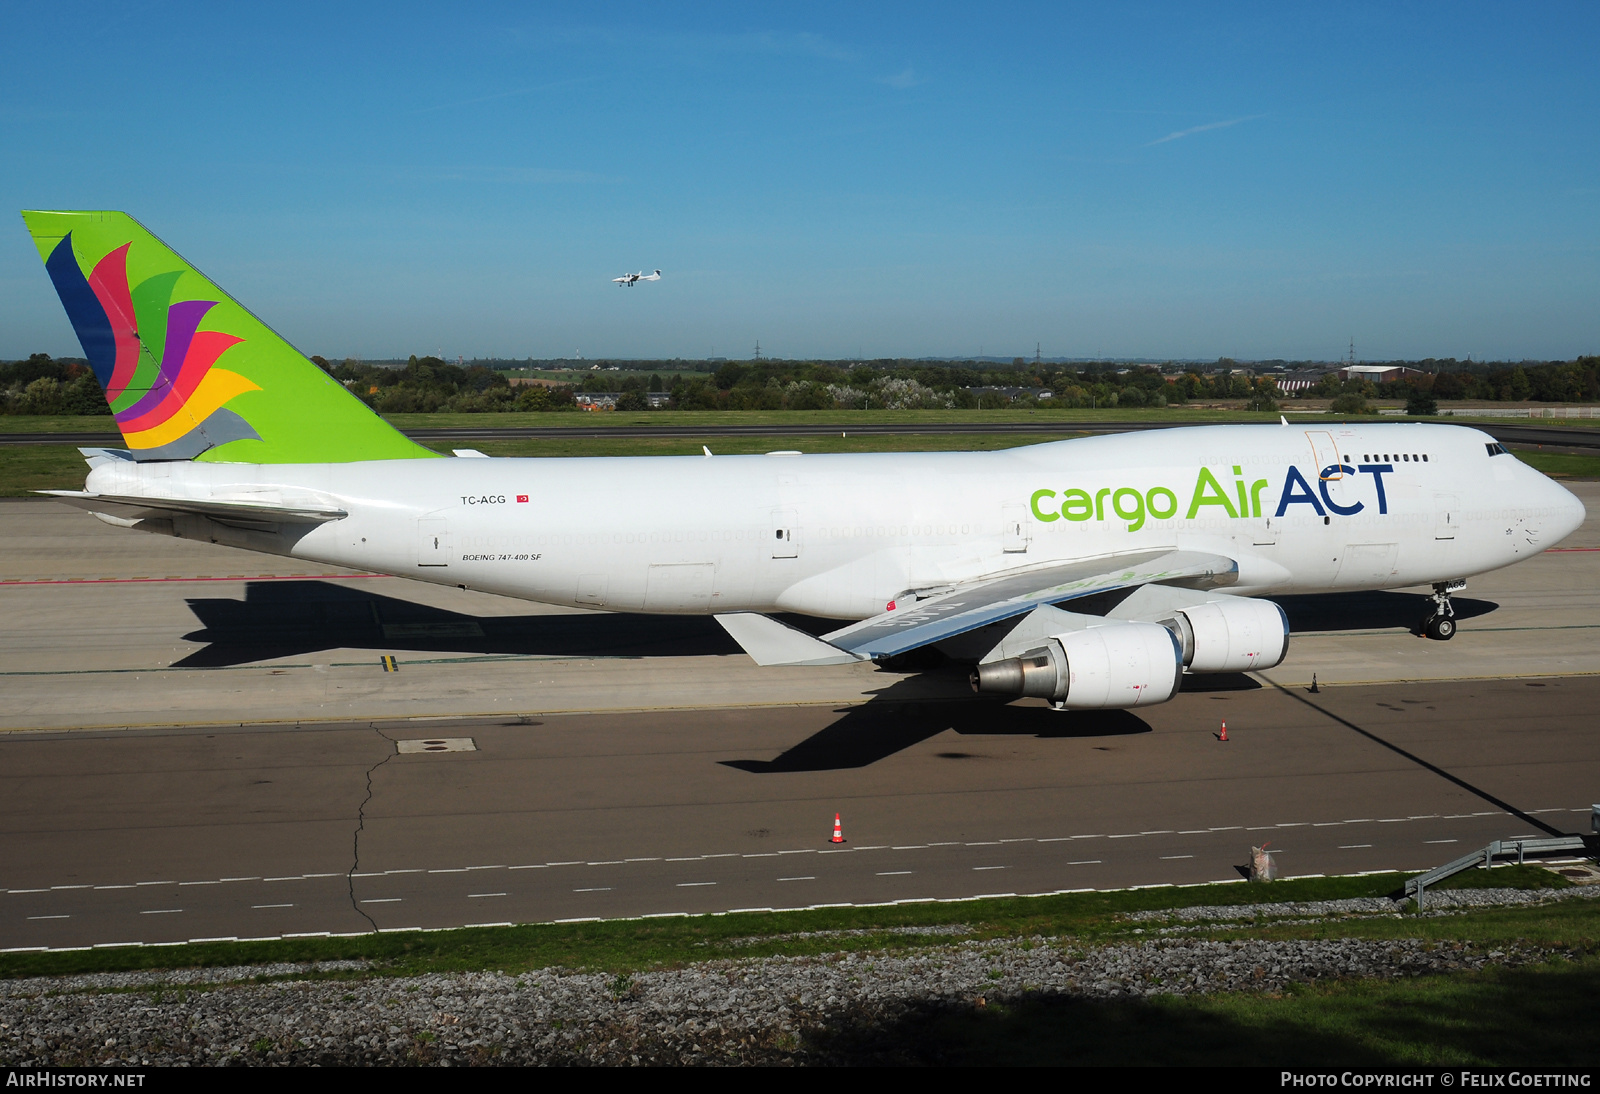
point(361, 823)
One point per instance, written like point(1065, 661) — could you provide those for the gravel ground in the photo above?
point(776, 1010)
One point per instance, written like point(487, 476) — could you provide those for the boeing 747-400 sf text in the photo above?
point(1092, 572)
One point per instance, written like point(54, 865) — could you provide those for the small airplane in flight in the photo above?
point(631, 279)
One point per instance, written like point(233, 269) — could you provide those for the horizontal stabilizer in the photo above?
point(770, 642)
point(233, 512)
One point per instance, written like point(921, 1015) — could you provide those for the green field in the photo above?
point(31, 423)
point(1559, 464)
point(26, 468)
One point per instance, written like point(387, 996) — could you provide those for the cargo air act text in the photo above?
point(1134, 506)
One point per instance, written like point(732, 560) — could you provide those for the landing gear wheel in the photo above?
point(1440, 623)
point(1441, 628)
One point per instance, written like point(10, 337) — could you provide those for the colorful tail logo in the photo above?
point(185, 369)
point(168, 410)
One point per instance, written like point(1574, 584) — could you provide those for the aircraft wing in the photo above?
point(246, 513)
point(972, 605)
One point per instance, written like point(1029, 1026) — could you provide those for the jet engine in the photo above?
point(1238, 634)
point(1111, 667)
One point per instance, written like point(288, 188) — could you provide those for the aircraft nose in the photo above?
point(1569, 513)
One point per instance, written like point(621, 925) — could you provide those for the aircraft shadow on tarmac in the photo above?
point(891, 722)
point(290, 618)
point(1368, 610)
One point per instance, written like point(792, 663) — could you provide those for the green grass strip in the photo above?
point(659, 942)
point(1560, 464)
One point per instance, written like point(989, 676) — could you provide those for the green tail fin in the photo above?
point(187, 371)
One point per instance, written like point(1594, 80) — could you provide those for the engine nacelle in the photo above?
point(1113, 667)
point(1239, 634)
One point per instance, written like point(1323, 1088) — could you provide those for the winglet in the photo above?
point(769, 642)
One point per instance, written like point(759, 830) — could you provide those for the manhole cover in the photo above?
point(437, 744)
point(1579, 873)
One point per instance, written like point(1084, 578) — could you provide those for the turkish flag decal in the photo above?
point(522, 497)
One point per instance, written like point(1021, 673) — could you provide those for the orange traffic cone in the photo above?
point(838, 830)
point(1223, 736)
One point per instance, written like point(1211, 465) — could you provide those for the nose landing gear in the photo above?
point(1440, 622)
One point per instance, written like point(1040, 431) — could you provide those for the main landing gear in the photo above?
point(1440, 622)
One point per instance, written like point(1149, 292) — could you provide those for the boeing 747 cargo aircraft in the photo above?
point(1092, 573)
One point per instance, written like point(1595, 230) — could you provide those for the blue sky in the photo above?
point(1158, 180)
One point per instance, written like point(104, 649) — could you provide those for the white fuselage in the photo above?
point(1363, 506)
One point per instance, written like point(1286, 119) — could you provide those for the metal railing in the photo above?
point(1485, 856)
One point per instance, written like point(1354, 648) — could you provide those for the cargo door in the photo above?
point(433, 542)
point(591, 592)
point(1015, 530)
point(679, 587)
point(1447, 516)
point(785, 534)
point(1366, 565)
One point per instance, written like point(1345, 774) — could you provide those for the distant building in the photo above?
point(607, 400)
point(1302, 380)
point(1012, 394)
point(1377, 374)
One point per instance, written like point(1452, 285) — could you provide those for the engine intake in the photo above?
point(1112, 667)
point(1239, 634)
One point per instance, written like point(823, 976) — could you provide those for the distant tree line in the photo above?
point(1552, 382)
point(41, 385)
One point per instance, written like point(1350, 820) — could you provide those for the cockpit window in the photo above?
point(1495, 449)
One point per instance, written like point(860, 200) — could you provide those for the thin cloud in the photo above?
point(506, 94)
point(902, 80)
point(518, 175)
point(1203, 128)
point(813, 45)
point(695, 44)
